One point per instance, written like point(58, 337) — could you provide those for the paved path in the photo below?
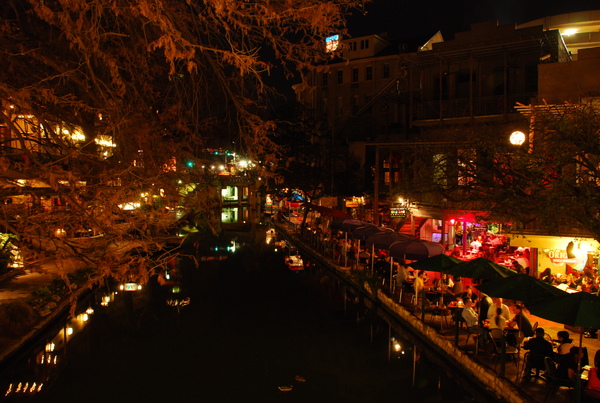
point(22, 283)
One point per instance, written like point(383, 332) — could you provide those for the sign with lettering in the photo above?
point(398, 212)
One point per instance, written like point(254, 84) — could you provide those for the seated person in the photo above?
point(457, 288)
point(592, 388)
point(498, 314)
point(539, 348)
point(567, 367)
point(521, 321)
point(419, 284)
point(469, 294)
point(564, 345)
point(471, 318)
point(456, 252)
point(443, 283)
point(403, 274)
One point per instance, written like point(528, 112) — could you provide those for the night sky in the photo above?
point(402, 18)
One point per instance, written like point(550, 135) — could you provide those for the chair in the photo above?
point(441, 312)
point(475, 337)
point(497, 336)
point(552, 381)
point(533, 362)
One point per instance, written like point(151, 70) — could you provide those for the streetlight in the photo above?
point(517, 138)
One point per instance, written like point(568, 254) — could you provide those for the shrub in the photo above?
point(17, 318)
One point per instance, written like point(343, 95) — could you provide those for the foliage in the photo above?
point(16, 318)
point(550, 183)
point(106, 102)
point(6, 252)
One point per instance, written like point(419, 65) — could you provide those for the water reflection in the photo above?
point(235, 329)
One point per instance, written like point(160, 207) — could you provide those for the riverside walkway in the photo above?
point(442, 333)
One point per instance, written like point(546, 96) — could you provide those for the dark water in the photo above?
point(251, 327)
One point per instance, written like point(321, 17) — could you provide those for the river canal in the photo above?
point(251, 331)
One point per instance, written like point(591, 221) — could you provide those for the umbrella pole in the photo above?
point(391, 272)
point(345, 249)
point(578, 373)
point(372, 258)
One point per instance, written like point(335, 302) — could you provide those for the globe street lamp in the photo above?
point(517, 138)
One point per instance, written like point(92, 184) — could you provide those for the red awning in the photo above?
point(465, 215)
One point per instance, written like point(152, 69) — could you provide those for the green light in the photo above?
point(190, 164)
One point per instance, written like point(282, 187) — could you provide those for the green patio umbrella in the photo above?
point(440, 263)
point(481, 268)
point(576, 309)
point(580, 309)
point(520, 287)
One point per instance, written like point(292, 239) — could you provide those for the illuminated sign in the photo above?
point(398, 212)
point(560, 256)
point(130, 287)
point(332, 43)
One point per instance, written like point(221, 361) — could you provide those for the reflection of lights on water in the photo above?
point(105, 300)
point(35, 388)
point(48, 359)
point(179, 302)
point(89, 311)
point(397, 346)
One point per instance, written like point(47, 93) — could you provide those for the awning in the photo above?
point(327, 211)
point(465, 215)
point(553, 242)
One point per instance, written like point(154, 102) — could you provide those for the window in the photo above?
point(229, 215)
point(368, 73)
point(353, 46)
point(229, 194)
point(340, 76)
point(339, 106)
point(466, 166)
point(355, 104)
point(386, 71)
point(364, 44)
point(355, 75)
point(325, 79)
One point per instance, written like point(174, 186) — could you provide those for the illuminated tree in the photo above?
point(112, 102)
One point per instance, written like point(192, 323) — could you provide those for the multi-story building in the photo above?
point(380, 93)
point(382, 97)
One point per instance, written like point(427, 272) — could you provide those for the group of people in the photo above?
point(494, 314)
point(567, 358)
point(586, 280)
